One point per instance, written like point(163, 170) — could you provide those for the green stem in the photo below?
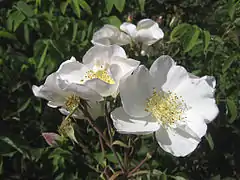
point(109, 144)
point(71, 113)
point(148, 156)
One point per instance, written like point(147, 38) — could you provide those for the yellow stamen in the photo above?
point(166, 107)
point(100, 74)
point(71, 102)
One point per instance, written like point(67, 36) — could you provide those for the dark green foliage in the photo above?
point(37, 35)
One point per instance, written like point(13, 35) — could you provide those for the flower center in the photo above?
point(72, 101)
point(100, 74)
point(166, 107)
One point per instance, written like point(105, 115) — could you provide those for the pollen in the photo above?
point(100, 74)
point(166, 107)
point(72, 101)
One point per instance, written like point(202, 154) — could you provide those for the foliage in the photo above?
point(37, 35)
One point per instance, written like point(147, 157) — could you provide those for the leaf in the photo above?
point(26, 34)
point(206, 39)
point(115, 175)
point(111, 157)
point(217, 177)
point(109, 5)
point(113, 20)
point(231, 9)
point(179, 31)
point(99, 157)
point(120, 143)
point(42, 59)
point(119, 4)
point(229, 62)
point(11, 143)
point(14, 20)
point(8, 35)
point(63, 6)
point(24, 106)
point(141, 4)
point(85, 6)
point(237, 22)
point(178, 178)
point(163, 176)
point(210, 140)
point(25, 8)
point(75, 28)
point(191, 41)
point(76, 8)
point(232, 108)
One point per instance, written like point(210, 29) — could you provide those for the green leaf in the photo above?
point(119, 4)
point(99, 157)
point(14, 20)
point(26, 34)
point(163, 176)
point(75, 28)
point(113, 20)
point(42, 59)
point(210, 140)
point(25, 8)
point(76, 8)
point(237, 22)
point(217, 177)
point(24, 106)
point(111, 157)
point(178, 178)
point(232, 108)
point(231, 8)
point(120, 143)
point(227, 64)
point(191, 40)
point(141, 4)
point(109, 5)
point(206, 39)
point(5, 34)
point(85, 6)
point(179, 31)
point(63, 6)
point(11, 143)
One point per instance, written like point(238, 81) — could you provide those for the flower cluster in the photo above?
point(165, 100)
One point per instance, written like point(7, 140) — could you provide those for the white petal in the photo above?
point(50, 91)
point(103, 88)
point(130, 125)
point(54, 104)
point(145, 23)
point(72, 71)
point(176, 141)
point(80, 90)
point(102, 54)
point(103, 35)
point(127, 65)
point(198, 93)
point(148, 32)
point(109, 35)
point(129, 28)
point(134, 92)
point(160, 69)
point(175, 77)
point(194, 124)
